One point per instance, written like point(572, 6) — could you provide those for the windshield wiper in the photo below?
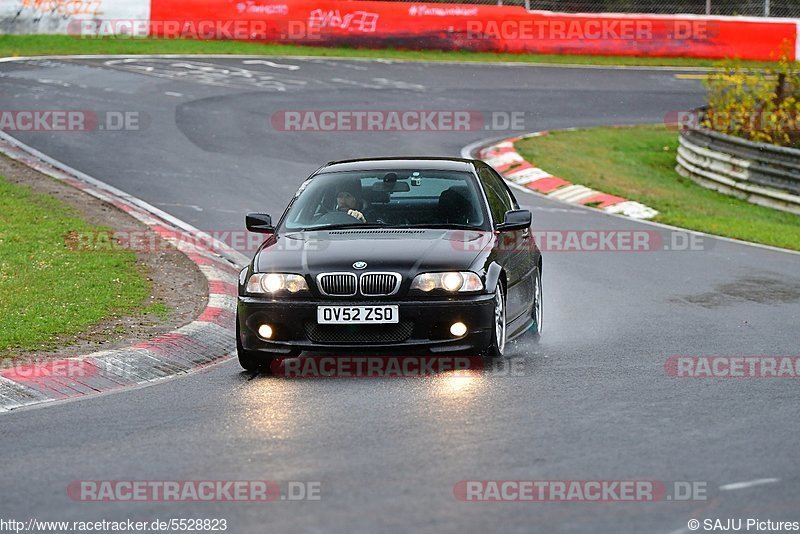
point(341, 226)
point(454, 226)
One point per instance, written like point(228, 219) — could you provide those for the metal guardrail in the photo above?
point(760, 173)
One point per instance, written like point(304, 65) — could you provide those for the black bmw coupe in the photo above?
point(399, 255)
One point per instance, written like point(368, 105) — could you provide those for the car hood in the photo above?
point(407, 251)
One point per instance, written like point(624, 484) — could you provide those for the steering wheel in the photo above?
point(336, 217)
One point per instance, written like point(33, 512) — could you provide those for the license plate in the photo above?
point(357, 314)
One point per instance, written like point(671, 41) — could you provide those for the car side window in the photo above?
point(511, 198)
point(500, 200)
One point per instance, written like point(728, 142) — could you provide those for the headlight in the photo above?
point(453, 282)
point(272, 283)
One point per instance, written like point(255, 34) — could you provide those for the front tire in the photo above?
point(537, 313)
point(497, 346)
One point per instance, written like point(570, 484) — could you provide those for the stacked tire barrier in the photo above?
point(763, 174)
point(378, 24)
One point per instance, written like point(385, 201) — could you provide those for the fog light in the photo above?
point(265, 331)
point(458, 329)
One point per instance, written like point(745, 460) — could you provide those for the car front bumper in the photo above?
point(424, 326)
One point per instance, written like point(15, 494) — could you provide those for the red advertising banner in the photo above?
point(481, 28)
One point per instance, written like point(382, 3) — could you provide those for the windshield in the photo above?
point(399, 198)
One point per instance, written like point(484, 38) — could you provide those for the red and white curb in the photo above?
point(504, 157)
point(208, 339)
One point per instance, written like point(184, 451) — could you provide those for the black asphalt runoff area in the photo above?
point(591, 401)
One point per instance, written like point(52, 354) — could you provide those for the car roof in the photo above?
point(370, 164)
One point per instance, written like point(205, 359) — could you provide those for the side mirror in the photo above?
point(515, 220)
point(260, 223)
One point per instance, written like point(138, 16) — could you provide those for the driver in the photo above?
point(347, 202)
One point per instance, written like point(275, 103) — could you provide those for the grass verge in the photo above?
point(638, 163)
point(48, 291)
point(41, 45)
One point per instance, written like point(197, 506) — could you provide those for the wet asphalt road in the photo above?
point(592, 399)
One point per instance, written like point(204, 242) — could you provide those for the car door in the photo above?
point(514, 248)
